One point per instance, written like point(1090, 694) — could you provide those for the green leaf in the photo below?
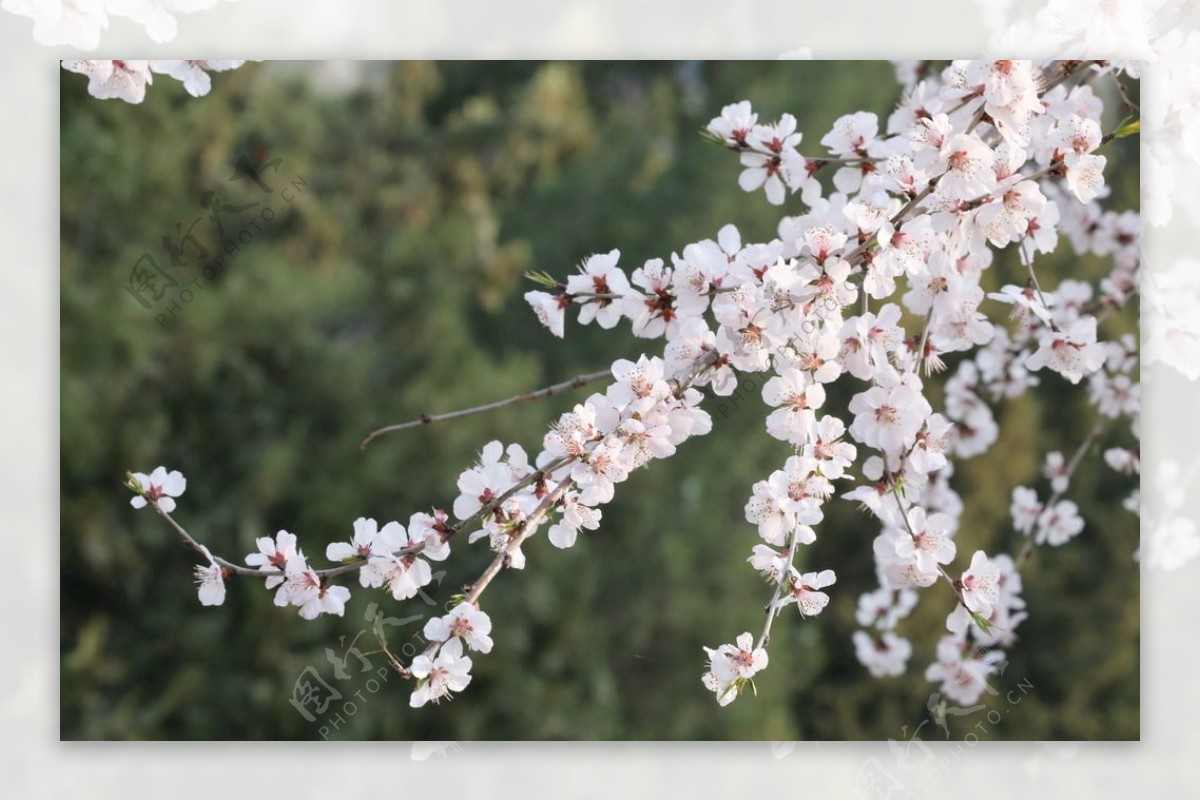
point(543, 279)
point(1128, 127)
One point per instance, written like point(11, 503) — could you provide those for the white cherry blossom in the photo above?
point(124, 80)
point(465, 622)
point(194, 74)
point(884, 654)
point(1072, 351)
point(550, 309)
point(1058, 524)
point(734, 125)
point(160, 488)
point(76, 23)
point(599, 278)
point(404, 574)
point(449, 672)
point(275, 553)
point(731, 666)
point(211, 581)
point(806, 591)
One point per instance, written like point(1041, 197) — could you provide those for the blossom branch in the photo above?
point(357, 562)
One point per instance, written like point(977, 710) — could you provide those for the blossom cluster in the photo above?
point(984, 156)
point(127, 80)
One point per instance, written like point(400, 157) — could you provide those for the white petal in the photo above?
point(337, 551)
point(175, 483)
point(562, 536)
point(212, 593)
point(437, 629)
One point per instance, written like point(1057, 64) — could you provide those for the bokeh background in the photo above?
point(390, 285)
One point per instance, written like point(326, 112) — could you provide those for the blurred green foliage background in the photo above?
point(390, 285)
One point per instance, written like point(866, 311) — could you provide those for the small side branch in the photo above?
point(1069, 473)
point(545, 392)
point(1027, 260)
point(191, 542)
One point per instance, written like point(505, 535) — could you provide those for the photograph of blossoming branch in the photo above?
point(687, 401)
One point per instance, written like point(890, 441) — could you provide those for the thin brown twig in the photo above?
point(537, 394)
point(392, 658)
point(1130, 106)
